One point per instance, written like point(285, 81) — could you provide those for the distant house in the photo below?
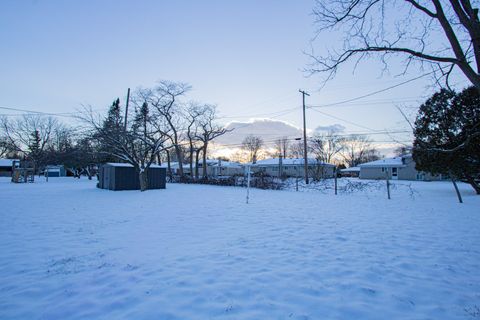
point(293, 167)
point(215, 168)
point(6, 167)
point(55, 171)
point(123, 176)
point(396, 168)
point(352, 172)
point(225, 168)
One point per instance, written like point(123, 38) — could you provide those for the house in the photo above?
point(6, 167)
point(123, 176)
point(293, 168)
point(396, 168)
point(352, 172)
point(226, 168)
point(215, 168)
point(55, 171)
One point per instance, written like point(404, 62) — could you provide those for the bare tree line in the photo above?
point(158, 126)
point(327, 147)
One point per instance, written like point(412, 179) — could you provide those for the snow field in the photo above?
point(69, 250)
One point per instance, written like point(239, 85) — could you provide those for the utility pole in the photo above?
point(305, 136)
point(126, 108)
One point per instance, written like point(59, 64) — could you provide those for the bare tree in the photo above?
point(164, 100)
point(138, 143)
point(29, 135)
point(208, 130)
point(402, 150)
point(297, 150)
point(357, 149)
point(252, 145)
point(5, 145)
point(325, 147)
point(193, 114)
point(282, 145)
point(441, 34)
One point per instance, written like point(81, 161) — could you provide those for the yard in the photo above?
point(71, 251)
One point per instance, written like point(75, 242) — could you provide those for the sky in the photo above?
point(247, 57)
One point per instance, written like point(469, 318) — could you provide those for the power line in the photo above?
point(344, 120)
point(375, 92)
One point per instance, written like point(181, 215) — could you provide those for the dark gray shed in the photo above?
point(122, 176)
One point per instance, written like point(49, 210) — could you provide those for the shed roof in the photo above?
point(128, 165)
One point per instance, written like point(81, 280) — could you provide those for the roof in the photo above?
point(290, 162)
point(210, 163)
point(54, 166)
point(228, 164)
point(128, 165)
point(7, 162)
point(351, 169)
point(383, 163)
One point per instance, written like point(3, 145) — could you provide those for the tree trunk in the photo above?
point(474, 184)
point(143, 179)
point(89, 173)
point(191, 160)
point(169, 167)
point(197, 156)
point(180, 160)
point(205, 169)
point(459, 196)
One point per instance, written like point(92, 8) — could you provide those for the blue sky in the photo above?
point(245, 56)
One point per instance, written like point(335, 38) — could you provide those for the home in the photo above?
point(6, 167)
point(293, 167)
point(215, 168)
point(396, 168)
point(55, 171)
point(225, 168)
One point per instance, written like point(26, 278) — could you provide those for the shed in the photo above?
point(55, 171)
point(122, 176)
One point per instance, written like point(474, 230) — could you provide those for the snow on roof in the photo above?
point(210, 162)
point(54, 166)
point(351, 169)
point(228, 164)
point(7, 162)
point(387, 162)
point(290, 162)
point(128, 165)
point(172, 165)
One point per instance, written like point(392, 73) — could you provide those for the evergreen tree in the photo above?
point(113, 126)
point(447, 135)
point(35, 148)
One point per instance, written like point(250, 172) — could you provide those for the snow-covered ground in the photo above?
point(71, 251)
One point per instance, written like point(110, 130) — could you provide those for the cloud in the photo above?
point(267, 129)
point(334, 128)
